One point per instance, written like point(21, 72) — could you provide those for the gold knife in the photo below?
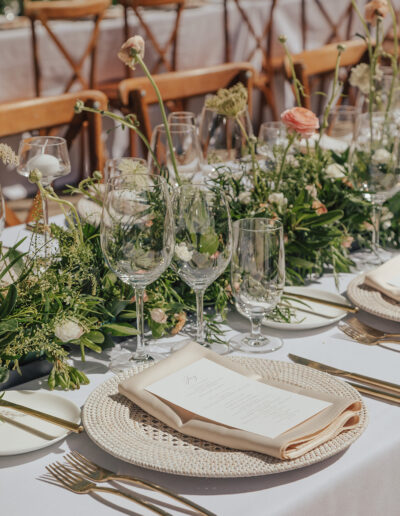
point(385, 395)
point(346, 374)
point(334, 304)
point(69, 425)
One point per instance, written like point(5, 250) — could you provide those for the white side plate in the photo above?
point(310, 318)
point(20, 433)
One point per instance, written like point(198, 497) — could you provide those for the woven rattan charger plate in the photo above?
point(122, 429)
point(372, 301)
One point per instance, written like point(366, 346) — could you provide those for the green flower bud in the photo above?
point(282, 39)
point(35, 176)
point(79, 105)
point(97, 175)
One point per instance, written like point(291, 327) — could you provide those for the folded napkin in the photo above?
point(340, 416)
point(380, 279)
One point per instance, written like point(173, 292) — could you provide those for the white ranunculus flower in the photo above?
point(359, 77)
point(135, 43)
point(158, 315)
point(279, 199)
point(381, 157)
point(183, 253)
point(335, 171)
point(68, 330)
point(244, 197)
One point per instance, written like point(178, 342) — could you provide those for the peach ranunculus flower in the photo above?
point(347, 241)
point(374, 9)
point(125, 53)
point(319, 207)
point(301, 120)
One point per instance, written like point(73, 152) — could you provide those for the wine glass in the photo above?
point(125, 165)
point(271, 139)
point(258, 278)
point(203, 244)
point(186, 147)
point(137, 240)
point(49, 154)
point(342, 126)
point(182, 117)
point(376, 169)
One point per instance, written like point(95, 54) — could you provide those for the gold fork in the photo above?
point(91, 470)
point(364, 328)
point(74, 482)
point(365, 338)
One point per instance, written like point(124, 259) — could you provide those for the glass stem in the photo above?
point(200, 316)
point(376, 220)
point(256, 327)
point(140, 348)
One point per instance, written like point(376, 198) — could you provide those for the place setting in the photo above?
point(216, 302)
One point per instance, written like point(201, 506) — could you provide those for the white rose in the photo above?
point(335, 171)
point(68, 330)
point(158, 315)
point(278, 198)
point(183, 253)
point(244, 197)
point(381, 157)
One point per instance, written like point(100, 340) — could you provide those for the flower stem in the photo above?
point(164, 116)
point(290, 142)
point(294, 76)
point(251, 147)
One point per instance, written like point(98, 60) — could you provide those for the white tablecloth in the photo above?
point(360, 481)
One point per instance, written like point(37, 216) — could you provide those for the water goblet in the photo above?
point(182, 117)
point(137, 240)
point(258, 278)
point(203, 243)
point(186, 148)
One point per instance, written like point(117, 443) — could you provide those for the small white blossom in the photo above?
point(68, 330)
point(381, 157)
point(292, 161)
point(335, 171)
point(244, 197)
point(279, 199)
point(312, 190)
point(183, 253)
point(158, 315)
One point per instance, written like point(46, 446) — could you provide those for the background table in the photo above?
point(363, 480)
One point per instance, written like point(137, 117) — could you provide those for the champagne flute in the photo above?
point(137, 240)
point(203, 243)
point(48, 154)
point(258, 278)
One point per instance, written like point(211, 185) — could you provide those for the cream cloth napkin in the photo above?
point(379, 278)
point(340, 416)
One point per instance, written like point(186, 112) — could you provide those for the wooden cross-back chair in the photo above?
point(339, 29)
point(46, 113)
point(319, 63)
point(47, 11)
point(137, 94)
point(263, 79)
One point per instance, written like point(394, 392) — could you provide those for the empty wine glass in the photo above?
point(258, 278)
point(49, 154)
point(187, 152)
point(203, 243)
point(342, 126)
point(271, 139)
point(182, 117)
point(125, 165)
point(137, 240)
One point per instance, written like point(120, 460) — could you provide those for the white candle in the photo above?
point(47, 164)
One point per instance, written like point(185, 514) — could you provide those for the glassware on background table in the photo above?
point(49, 154)
point(125, 165)
point(137, 240)
point(376, 170)
point(182, 117)
point(186, 145)
point(257, 278)
point(271, 139)
point(2, 212)
point(342, 125)
point(222, 138)
point(203, 244)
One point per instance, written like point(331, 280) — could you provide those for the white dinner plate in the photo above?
point(20, 433)
point(310, 314)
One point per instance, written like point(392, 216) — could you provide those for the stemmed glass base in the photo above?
point(123, 359)
point(259, 344)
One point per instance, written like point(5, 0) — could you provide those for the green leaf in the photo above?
point(209, 243)
point(9, 302)
point(325, 218)
point(95, 336)
point(120, 329)
point(10, 325)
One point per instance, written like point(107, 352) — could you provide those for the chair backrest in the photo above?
point(166, 53)
point(137, 94)
point(319, 62)
point(45, 12)
point(47, 113)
